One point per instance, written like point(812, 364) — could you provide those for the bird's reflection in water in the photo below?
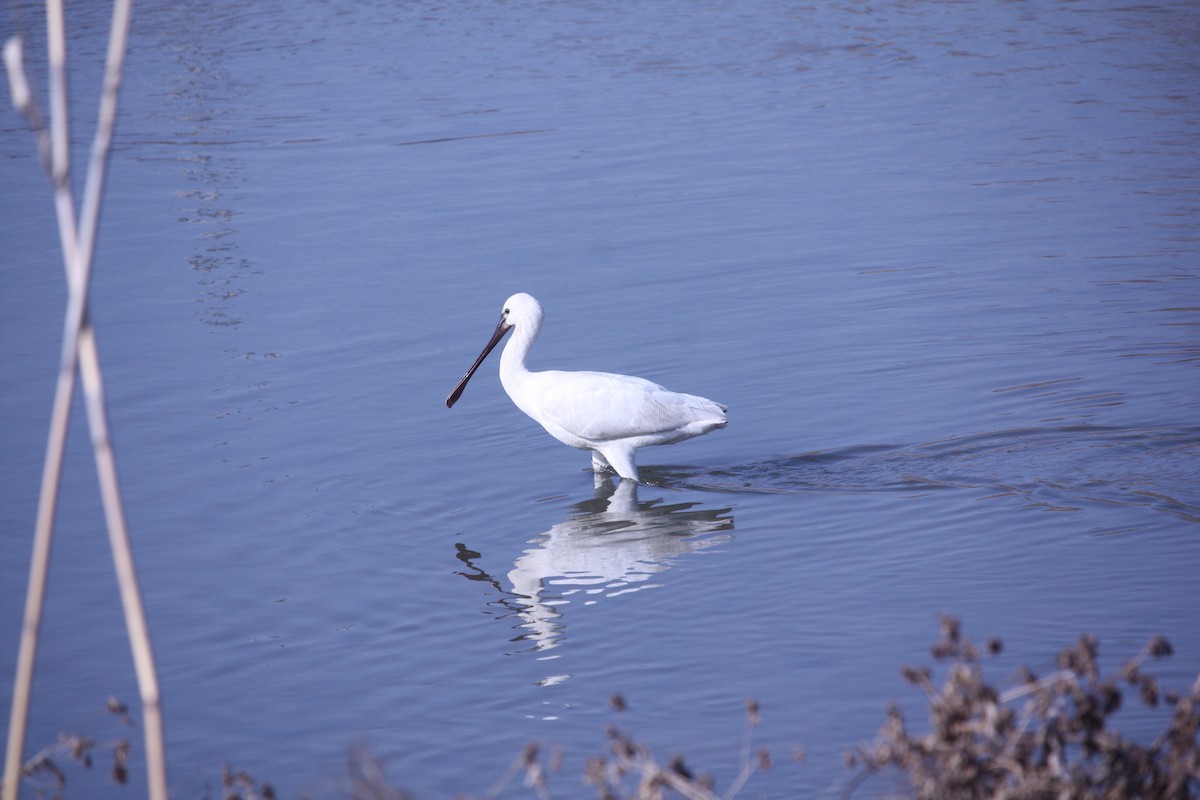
point(610, 545)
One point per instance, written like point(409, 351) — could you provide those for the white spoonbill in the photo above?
point(611, 415)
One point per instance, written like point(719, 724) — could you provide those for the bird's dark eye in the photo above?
point(506, 312)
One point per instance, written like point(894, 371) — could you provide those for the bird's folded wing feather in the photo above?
point(601, 406)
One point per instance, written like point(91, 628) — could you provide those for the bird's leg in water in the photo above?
point(599, 462)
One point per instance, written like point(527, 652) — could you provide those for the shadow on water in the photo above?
point(1038, 466)
point(608, 545)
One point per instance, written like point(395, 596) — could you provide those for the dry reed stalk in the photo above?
point(79, 352)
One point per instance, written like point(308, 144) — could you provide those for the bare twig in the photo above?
point(1044, 682)
point(749, 765)
point(79, 352)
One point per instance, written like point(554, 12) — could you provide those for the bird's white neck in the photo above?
point(512, 361)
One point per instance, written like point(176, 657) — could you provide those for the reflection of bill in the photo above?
point(611, 545)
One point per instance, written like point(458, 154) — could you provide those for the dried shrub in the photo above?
point(49, 779)
point(1047, 737)
point(631, 772)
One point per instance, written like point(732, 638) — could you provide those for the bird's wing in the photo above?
point(601, 406)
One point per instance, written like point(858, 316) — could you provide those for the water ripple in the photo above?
point(1058, 468)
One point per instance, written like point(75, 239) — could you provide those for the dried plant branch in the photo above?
point(23, 99)
point(79, 352)
point(654, 780)
point(1058, 744)
point(750, 763)
point(1045, 682)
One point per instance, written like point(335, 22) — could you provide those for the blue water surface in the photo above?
point(941, 262)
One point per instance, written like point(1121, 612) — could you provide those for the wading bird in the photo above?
point(611, 415)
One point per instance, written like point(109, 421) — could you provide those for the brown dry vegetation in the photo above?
point(1044, 737)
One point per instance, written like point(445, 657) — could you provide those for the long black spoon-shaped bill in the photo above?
point(501, 329)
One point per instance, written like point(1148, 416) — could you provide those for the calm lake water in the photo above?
point(941, 260)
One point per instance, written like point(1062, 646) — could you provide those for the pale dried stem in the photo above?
point(748, 768)
point(1042, 683)
point(77, 239)
point(749, 765)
